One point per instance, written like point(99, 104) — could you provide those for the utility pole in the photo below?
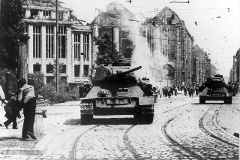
point(57, 65)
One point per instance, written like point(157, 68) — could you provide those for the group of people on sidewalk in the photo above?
point(24, 99)
point(169, 91)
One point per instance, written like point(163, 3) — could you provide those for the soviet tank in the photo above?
point(215, 89)
point(117, 91)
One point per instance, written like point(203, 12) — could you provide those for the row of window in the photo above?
point(37, 43)
point(62, 69)
point(35, 12)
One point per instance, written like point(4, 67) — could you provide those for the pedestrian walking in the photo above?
point(26, 97)
point(197, 90)
point(155, 94)
point(185, 91)
point(12, 112)
point(190, 92)
point(176, 91)
point(169, 92)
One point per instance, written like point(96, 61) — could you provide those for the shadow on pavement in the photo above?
point(216, 103)
point(95, 121)
point(7, 138)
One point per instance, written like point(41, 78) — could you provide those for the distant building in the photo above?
point(235, 71)
point(115, 21)
point(168, 36)
point(202, 65)
point(74, 39)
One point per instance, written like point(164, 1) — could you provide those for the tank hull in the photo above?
point(141, 107)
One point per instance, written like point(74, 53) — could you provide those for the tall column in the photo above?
point(30, 48)
point(71, 66)
point(44, 51)
point(69, 61)
point(90, 53)
point(54, 42)
point(95, 30)
point(82, 56)
point(116, 37)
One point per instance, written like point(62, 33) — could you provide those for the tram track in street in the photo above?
point(219, 130)
point(121, 132)
point(193, 149)
point(128, 144)
point(72, 152)
point(176, 143)
point(126, 140)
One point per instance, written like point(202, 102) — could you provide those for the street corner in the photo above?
point(15, 145)
point(11, 143)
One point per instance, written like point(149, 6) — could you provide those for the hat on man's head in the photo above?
point(21, 82)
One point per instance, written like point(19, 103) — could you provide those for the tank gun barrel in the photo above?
point(131, 70)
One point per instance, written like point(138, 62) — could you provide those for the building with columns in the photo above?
point(116, 21)
point(74, 42)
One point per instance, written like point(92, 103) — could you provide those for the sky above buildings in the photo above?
point(214, 24)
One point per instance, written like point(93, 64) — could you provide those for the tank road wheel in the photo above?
point(86, 118)
point(147, 114)
point(147, 118)
point(228, 100)
point(201, 100)
point(137, 116)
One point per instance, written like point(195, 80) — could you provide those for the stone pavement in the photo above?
point(10, 139)
point(55, 123)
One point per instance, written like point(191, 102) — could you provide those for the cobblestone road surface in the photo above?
point(182, 129)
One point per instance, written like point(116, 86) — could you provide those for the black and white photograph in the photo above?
point(119, 79)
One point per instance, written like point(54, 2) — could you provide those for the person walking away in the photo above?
point(190, 91)
point(155, 94)
point(185, 91)
point(197, 90)
point(27, 99)
point(169, 92)
point(12, 112)
point(176, 91)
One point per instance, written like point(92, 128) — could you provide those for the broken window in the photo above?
point(34, 12)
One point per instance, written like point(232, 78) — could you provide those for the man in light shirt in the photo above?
point(26, 97)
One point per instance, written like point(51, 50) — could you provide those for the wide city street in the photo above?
point(182, 129)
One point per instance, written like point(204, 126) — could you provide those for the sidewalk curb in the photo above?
point(20, 151)
point(39, 149)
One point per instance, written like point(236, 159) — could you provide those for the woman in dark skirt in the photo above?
point(12, 112)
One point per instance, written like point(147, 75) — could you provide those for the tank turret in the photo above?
point(115, 75)
point(215, 82)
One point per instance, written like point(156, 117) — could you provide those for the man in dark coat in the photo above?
point(27, 99)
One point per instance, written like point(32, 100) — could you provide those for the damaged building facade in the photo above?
point(169, 55)
point(168, 36)
point(74, 42)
